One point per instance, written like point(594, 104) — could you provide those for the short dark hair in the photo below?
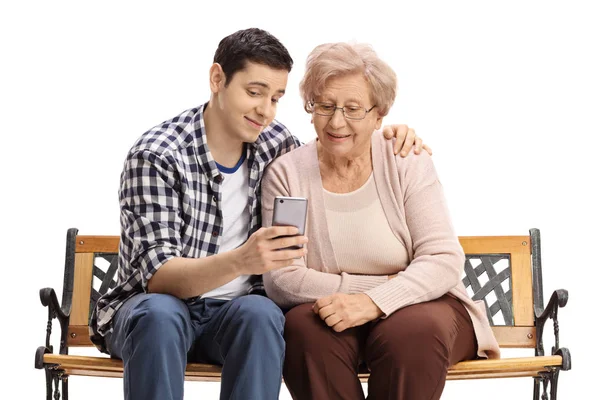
point(253, 45)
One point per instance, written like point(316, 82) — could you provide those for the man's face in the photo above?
point(248, 103)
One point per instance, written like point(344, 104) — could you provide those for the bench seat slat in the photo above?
point(476, 369)
point(363, 377)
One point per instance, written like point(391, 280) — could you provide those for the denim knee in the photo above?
point(162, 317)
point(259, 314)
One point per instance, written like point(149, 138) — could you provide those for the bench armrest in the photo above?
point(49, 299)
point(558, 300)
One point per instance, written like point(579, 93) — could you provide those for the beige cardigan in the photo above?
point(413, 202)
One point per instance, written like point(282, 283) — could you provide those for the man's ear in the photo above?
point(216, 78)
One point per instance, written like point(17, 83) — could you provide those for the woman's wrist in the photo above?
point(371, 309)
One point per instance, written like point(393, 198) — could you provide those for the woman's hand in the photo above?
point(405, 139)
point(342, 311)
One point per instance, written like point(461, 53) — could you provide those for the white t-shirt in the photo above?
point(236, 218)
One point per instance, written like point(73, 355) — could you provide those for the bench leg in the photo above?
point(56, 376)
point(65, 387)
point(547, 378)
point(554, 383)
point(536, 388)
point(56, 391)
point(48, 384)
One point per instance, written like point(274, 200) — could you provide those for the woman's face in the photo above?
point(340, 136)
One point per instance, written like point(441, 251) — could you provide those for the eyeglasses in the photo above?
point(350, 112)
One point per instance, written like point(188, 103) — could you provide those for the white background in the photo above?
point(506, 93)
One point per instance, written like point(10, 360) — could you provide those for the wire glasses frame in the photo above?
point(349, 112)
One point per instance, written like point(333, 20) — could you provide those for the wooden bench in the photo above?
point(504, 271)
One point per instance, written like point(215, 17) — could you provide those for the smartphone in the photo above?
point(290, 211)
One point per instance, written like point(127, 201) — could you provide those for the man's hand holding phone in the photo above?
point(267, 249)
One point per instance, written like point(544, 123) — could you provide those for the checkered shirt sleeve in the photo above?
point(150, 218)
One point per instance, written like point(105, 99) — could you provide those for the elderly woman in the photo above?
point(380, 283)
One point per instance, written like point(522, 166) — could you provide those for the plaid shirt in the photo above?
point(170, 199)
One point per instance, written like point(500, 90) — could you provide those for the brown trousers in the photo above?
point(408, 353)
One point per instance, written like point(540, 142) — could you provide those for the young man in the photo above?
point(191, 251)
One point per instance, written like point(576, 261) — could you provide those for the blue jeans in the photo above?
point(157, 334)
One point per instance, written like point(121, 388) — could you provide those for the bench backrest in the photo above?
point(503, 271)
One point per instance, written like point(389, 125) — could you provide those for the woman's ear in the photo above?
point(378, 122)
point(216, 78)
